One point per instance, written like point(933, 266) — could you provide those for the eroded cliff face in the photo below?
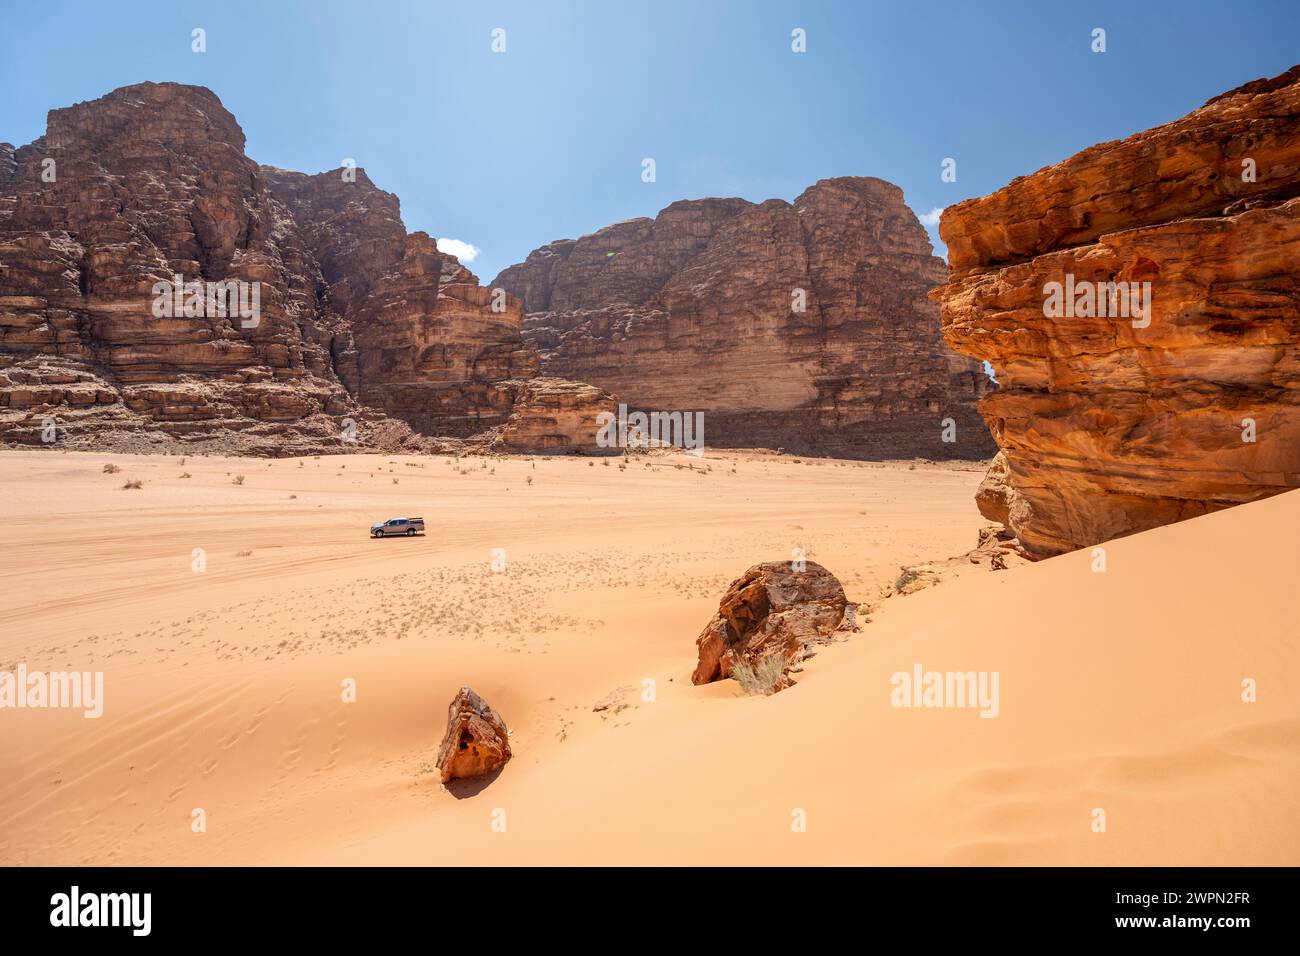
point(427, 343)
point(802, 326)
point(1111, 424)
point(364, 331)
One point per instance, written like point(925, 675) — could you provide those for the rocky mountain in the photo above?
point(364, 335)
point(802, 326)
point(1124, 407)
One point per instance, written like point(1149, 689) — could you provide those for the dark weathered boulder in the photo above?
point(770, 609)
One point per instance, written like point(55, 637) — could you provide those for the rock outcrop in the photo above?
point(365, 334)
point(553, 414)
point(476, 742)
point(771, 608)
point(1112, 423)
point(802, 326)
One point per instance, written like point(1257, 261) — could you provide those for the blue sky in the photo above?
point(546, 140)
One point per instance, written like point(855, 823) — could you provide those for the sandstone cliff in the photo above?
point(1111, 424)
point(804, 326)
point(364, 331)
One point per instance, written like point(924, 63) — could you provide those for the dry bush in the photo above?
point(763, 677)
point(907, 577)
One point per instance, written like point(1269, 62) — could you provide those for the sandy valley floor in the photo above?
point(1120, 691)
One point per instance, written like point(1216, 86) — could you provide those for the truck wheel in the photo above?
point(410, 532)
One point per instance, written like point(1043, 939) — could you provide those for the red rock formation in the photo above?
point(771, 608)
point(476, 741)
point(359, 321)
point(699, 309)
point(1112, 425)
point(428, 344)
point(552, 414)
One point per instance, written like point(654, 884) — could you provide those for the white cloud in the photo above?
point(930, 219)
point(461, 250)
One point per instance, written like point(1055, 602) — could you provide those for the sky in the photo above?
point(505, 151)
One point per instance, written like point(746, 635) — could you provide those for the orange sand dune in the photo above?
point(1119, 691)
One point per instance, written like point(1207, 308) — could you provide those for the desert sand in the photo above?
point(224, 671)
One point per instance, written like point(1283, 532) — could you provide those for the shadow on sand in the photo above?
point(472, 786)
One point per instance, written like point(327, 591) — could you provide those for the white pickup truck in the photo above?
point(395, 526)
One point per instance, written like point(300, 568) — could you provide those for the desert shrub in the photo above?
point(764, 675)
point(111, 469)
point(907, 577)
point(914, 579)
point(133, 484)
point(237, 480)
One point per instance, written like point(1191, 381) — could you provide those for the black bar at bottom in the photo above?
point(329, 906)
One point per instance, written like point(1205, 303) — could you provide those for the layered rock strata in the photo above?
point(363, 335)
point(1140, 305)
point(802, 325)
